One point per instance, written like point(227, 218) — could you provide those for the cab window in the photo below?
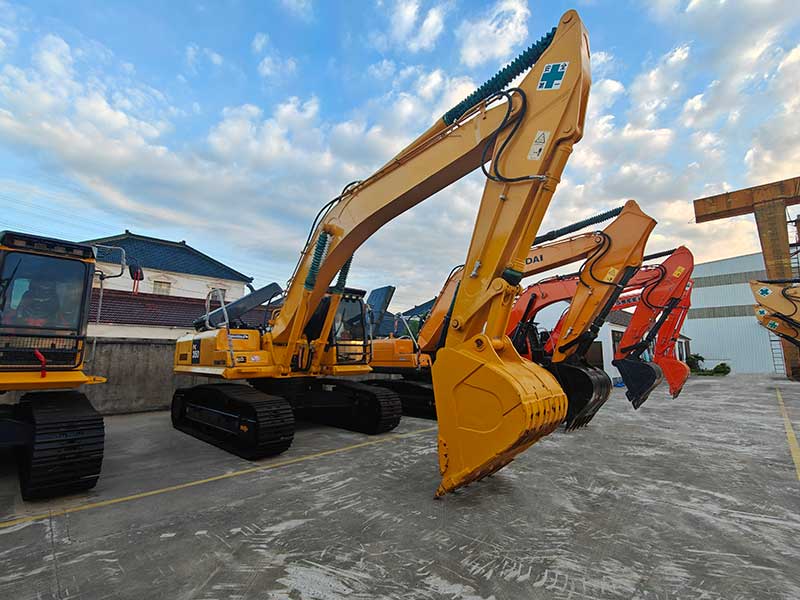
point(41, 292)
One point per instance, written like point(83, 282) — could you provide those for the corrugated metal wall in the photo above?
point(739, 341)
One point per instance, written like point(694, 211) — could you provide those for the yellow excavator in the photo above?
point(45, 288)
point(778, 307)
point(612, 257)
point(491, 403)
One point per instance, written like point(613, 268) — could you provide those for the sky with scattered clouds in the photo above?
point(228, 124)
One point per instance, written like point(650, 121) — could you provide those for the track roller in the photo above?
point(64, 453)
point(416, 397)
point(236, 418)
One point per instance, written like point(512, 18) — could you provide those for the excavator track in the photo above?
point(416, 396)
point(65, 450)
point(235, 417)
point(338, 402)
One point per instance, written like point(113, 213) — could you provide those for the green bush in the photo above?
point(695, 362)
point(722, 369)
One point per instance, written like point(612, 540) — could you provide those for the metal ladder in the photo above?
point(777, 354)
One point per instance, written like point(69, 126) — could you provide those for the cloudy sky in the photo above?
point(228, 124)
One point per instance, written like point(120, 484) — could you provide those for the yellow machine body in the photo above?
point(490, 404)
point(397, 353)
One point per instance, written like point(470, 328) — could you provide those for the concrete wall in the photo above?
point(181, 284)
point(139, 374)
point(114, 330)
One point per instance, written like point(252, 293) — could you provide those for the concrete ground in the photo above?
point(690, 498)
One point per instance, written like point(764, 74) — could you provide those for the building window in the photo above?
point(161, 287)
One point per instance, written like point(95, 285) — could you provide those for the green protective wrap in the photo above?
point(316, 261)
point(341, 281)
point(502, 78)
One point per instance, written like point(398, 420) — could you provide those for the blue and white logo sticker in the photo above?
point(762, 312)
point(552, 76)
point(764, 291)
point(772, 324)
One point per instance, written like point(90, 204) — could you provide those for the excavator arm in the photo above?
point(783, 328)
point(779, 296)
point(658, 300)
point(778, 308)
point(676, 372)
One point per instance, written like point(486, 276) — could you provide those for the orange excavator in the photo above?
point(541, 346)
point(666, 331)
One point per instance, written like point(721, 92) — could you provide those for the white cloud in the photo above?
point(403, 18)
point(194, 53)
point(775, 149)
point(215, 58)
point(407, 31)
point(304, 9)
point(191, 55)
point(274, 66)
point(259, 42)
point(53, 58)
point(8, 39)
point(602, 63)
point(381, 70)
point(654, 90)
point(496, 34)
point(429, 32)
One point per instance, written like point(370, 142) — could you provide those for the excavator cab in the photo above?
point(43, 303)
point(45, 287)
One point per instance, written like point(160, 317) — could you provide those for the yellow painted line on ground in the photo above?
point(189, 484)
point(794, 448)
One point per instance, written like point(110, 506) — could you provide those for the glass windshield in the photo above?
point(41, 292)
point(348, 324)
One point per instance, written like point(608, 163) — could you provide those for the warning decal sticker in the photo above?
point(539, 142)
point(612, 272)
point(552, 76)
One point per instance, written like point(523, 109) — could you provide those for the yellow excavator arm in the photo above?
point(491, 404)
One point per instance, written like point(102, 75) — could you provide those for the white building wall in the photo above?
point(181, 284)
point(737, 340)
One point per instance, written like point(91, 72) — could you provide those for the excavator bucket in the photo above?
point(675, 372)
point(491, 405)
point(587, 389)
point(640, 377)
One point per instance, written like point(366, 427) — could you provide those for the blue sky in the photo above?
point(228, 124)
